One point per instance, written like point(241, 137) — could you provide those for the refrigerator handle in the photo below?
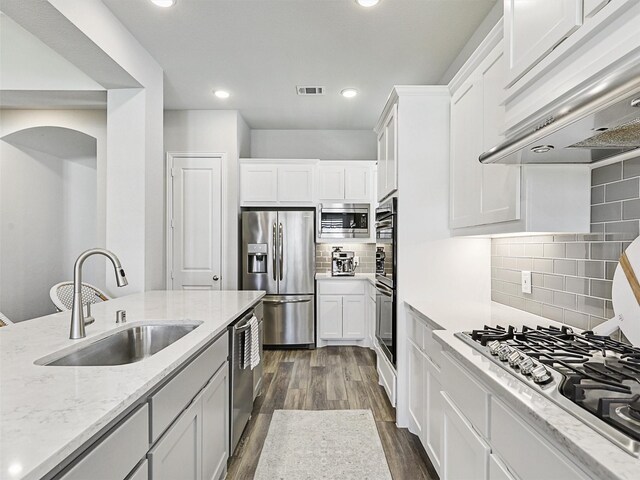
point(275, 243)
point(281, 242)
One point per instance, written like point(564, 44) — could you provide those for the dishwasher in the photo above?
point(241, 379)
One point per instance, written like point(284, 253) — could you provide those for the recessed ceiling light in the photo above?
point(349, 92)
point(221, 94)
point(367, 3)
point(164, 3)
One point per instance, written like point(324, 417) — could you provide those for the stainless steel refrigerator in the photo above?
point(278, 256)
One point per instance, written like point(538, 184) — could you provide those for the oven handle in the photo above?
point(384, 289)
point(384, 223)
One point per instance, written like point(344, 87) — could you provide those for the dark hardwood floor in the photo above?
point(330, 378)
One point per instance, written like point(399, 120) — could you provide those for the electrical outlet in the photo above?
point(526, 281)
point(356, 260)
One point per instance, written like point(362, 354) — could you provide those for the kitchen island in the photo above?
point(51, 414)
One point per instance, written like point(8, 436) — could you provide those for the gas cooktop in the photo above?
point(593, 377)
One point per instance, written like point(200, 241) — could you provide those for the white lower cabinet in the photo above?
point(497, 471)
point(433, 416)
point(481, 436)
point(416, 388)
point(466, 453)
point(342, 311)
point(371, 314)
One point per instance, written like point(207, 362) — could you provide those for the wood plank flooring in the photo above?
point(329, 378)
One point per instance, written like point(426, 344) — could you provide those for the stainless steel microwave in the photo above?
point(344, 220)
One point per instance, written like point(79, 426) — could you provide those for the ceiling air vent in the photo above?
point(303, 90)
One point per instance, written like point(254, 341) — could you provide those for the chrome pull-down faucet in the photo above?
point(77, 313)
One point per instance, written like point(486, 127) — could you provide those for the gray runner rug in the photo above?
point(326, 444)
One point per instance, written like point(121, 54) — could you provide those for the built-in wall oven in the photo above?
point(386, 247)
point(343, 220)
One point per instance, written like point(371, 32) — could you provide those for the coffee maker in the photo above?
point(342, 263)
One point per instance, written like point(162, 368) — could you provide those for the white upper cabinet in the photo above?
point(330, 183)
point(534, 28)
point(481, 194)
point(358, 183)
point(258, 183)
point(554, 48)
point(295, 184)
point(345, 181)
point(387, 132)
point(268, 182)
point(497, 199)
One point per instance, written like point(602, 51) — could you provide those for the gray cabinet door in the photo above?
point(178, 454)
point(215, 425)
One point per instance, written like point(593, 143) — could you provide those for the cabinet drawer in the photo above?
point(510, 437)
point(469, 396)
point(432, 348)
point(417, 330)
point(168, 402)
point(118, 452)
point(341, 287)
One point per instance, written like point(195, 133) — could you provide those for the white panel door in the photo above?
point(497, 471)
point(357, 184)
point(466, 145)
point(534, 28)
point(215, 425)
point(353, 317)
point(416, 387)
point(330, 316)
point(500, 191)
point(382, 164)
point(331, 186)
point(466, 454)
point(295, 184)
point(196, 223)
point(391, 127)
point(433, 417)
point(258, 184)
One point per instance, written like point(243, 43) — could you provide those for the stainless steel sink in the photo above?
point(126, 346)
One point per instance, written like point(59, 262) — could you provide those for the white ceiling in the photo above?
point(260, 50)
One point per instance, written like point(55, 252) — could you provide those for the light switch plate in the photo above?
point(526, 281)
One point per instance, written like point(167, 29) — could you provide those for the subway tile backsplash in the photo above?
point(572, 274)
point(366, 252)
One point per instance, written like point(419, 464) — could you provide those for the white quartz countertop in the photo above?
point(460, 315)
point(47, 413)
point(358, 276)
point(592, 450)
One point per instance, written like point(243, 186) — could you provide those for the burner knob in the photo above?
point(493, 347)
point(503, 352)
point(514, 358)
point(540, 374)
point(526, 365)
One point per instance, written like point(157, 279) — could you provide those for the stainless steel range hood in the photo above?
point(596, 122)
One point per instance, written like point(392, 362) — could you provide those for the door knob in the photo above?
point(216, 278)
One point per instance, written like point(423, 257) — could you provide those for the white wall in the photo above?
point(493, 17)
point(213, 131)
point(51, 206)
point(432, 266)
point(322, 144)
point(27, 63)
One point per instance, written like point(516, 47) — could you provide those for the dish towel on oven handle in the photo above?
point(252, 344)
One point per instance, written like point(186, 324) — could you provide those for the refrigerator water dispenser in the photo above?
point(257, 257)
